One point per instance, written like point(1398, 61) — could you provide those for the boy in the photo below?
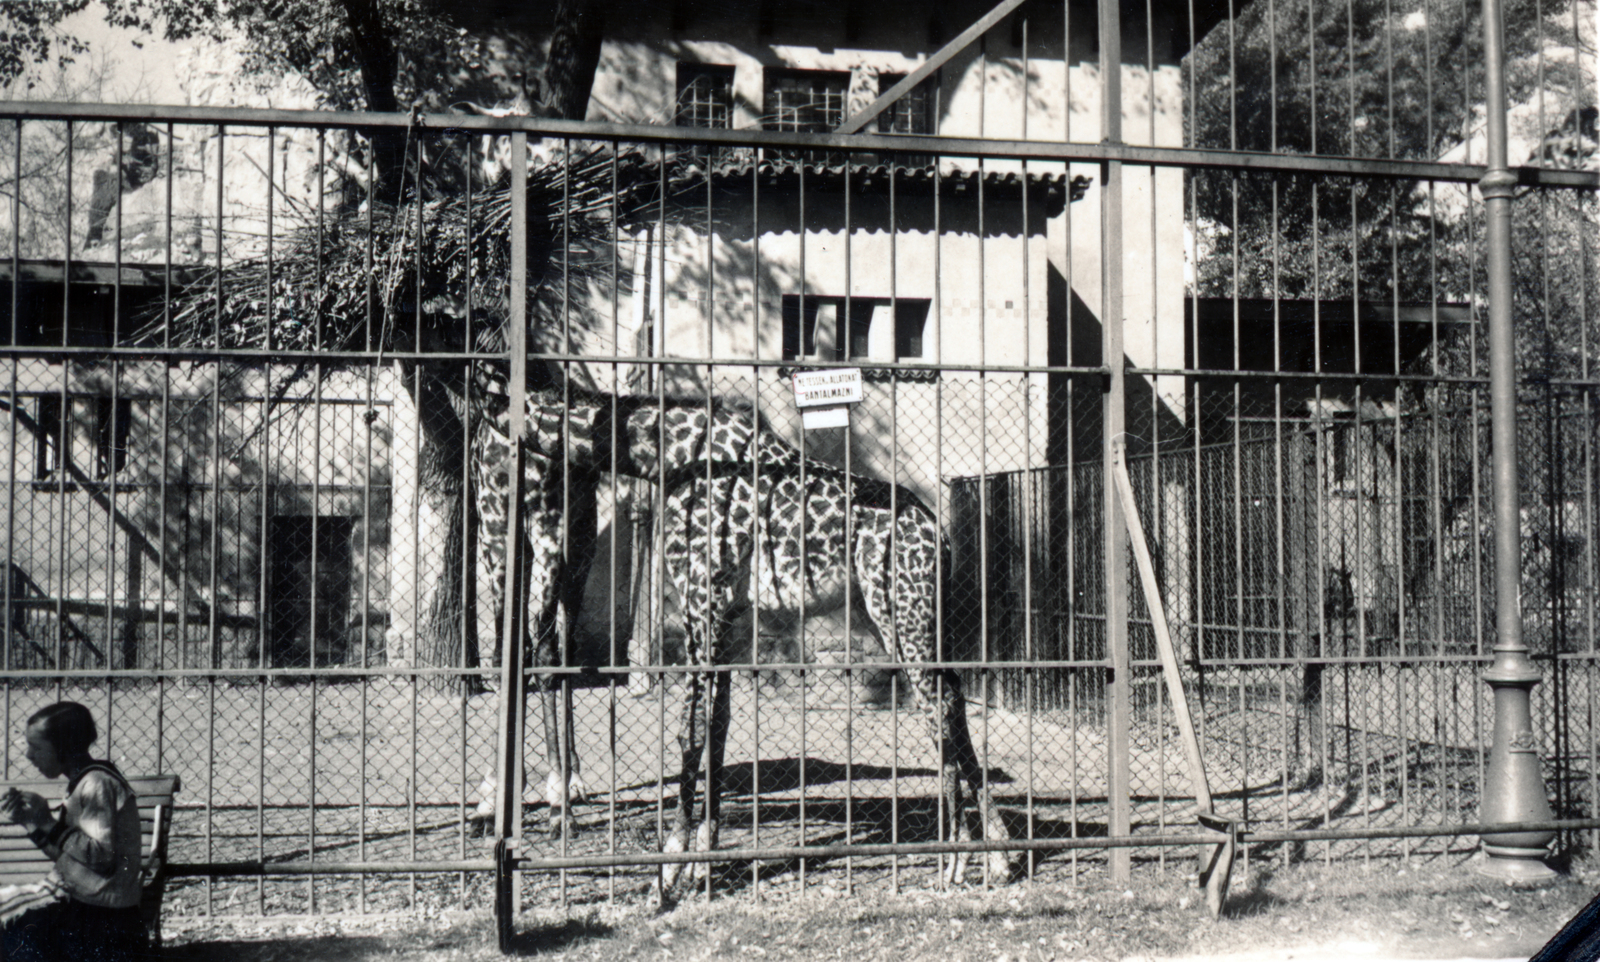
point(88, 907)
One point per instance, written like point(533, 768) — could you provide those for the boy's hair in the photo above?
point(67, 725)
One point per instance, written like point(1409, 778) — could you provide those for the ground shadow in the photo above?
point(789, 774)
point(871, 821)
point(1252, 898)
point(540, 939)
point(328, 948)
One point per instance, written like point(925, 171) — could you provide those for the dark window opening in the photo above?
point(309, 583)
point(912, 113)
point(817, 330)
point(52, 438)
point(93, 428)
point(705, 100)
point(910, 321)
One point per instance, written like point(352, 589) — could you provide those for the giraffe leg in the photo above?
point(690, 747)
point(951, 710)
point(1001, 866)
point(577, 520)
point(563, 783)
point(703, 553)
point(932, 699)
point(716, 743)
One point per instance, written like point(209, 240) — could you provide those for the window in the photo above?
point(818, 332)
point(910, 320)
point(912, 113)
point(705, 99)
point(808, 101)
point(85, 427)
point(705, 96)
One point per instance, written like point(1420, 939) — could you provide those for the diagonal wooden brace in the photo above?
point(1215, 869)
point(1216, 861)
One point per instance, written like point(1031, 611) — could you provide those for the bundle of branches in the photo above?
point(420, 274)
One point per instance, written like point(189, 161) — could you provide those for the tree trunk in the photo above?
point(375, 53)
point(446, 638)
point(447, 635)
point(575, 42)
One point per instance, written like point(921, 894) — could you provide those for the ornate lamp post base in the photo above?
point(1513, 788)
point(1515, 864)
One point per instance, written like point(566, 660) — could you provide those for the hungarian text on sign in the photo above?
point(833, 386)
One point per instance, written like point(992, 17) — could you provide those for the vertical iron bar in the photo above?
point(849, 678)
point(757, 553)
point(264, 612)
point(711, 626)
point(106, 469)
point(800, 234)
point(64, 429)
point(216, 513)
point(508, 803)
point(161, 482)
point(1029, 676)
point(893, 641)
point(944, 509)
point(369, 305)
point(562, 721)
point(11, 441)
point(1113, 424)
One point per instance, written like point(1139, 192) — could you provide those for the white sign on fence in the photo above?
point(823, 396)
point(833, 386)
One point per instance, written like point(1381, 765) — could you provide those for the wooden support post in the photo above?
point(1216, 861)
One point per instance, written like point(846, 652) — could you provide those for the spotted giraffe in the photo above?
point(751, 525)
point(552, 579)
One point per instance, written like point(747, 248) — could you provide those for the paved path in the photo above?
point(1343, 952)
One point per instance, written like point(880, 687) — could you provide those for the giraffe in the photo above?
point(558, 505)
point(753, 526)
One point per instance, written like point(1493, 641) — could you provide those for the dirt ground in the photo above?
point(1384, 909)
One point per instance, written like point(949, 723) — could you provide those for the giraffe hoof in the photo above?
point(1001, 869)
point(577, 790)
point(666, 885)
point(562, 823)
point(958, 869)
point(705, 840)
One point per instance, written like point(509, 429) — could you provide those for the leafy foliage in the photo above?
point(325, 41)
point(1363, 78)
point(30, 34)
point(379, 277)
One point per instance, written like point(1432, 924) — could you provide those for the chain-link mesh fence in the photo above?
point(258, 475)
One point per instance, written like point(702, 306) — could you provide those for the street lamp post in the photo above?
point(1513, 789)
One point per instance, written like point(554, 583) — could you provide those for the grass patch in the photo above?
point(1383, 908)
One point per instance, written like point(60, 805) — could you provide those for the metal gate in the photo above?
point(255, 512)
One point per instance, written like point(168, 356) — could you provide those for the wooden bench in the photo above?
point(22, 863)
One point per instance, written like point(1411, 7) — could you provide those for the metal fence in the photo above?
point(245, 505)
